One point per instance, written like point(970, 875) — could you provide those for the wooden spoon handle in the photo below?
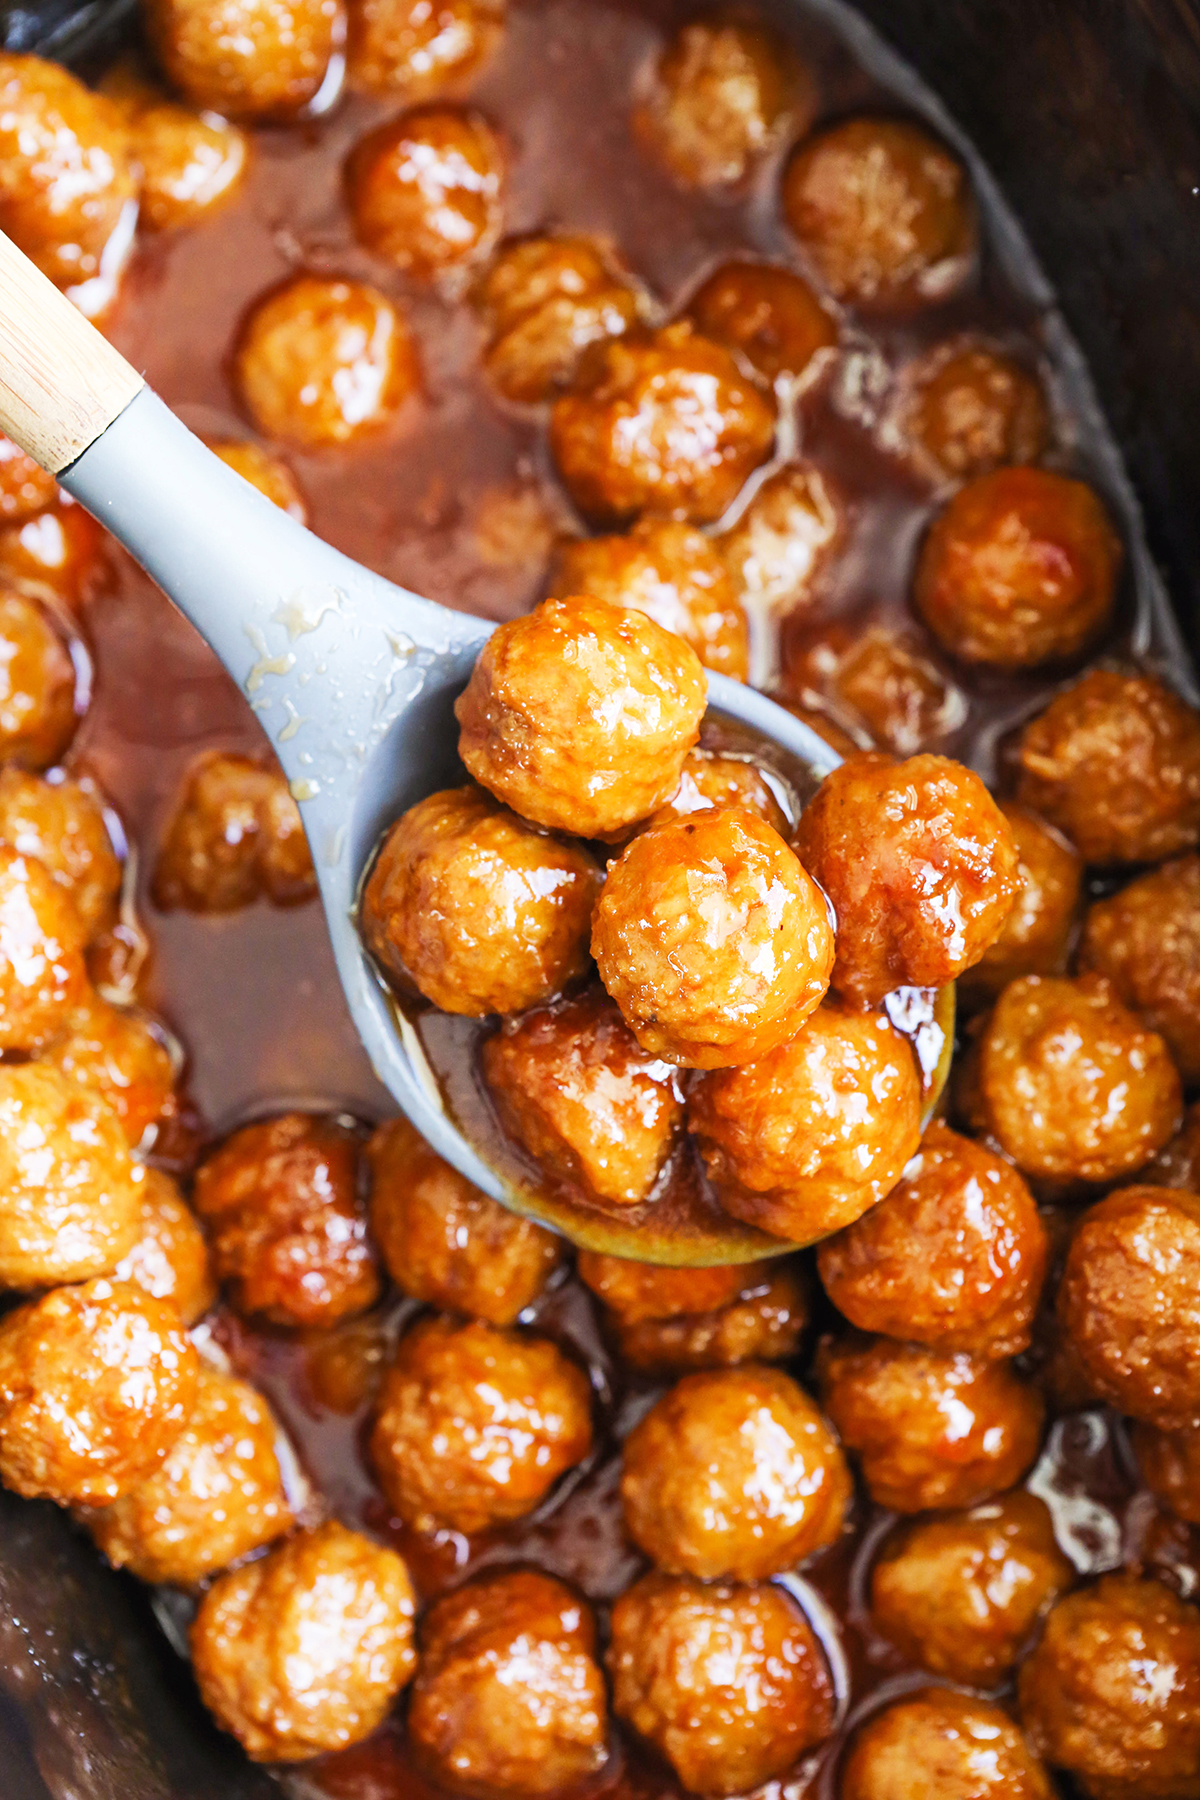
point(61, 383)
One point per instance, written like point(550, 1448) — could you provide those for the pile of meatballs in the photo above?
point(676, 966)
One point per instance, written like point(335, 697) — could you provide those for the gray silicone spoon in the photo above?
point(353, 681)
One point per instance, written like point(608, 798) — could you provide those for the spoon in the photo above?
point(353, 681)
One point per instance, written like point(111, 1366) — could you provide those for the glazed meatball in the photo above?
point(170, 1257)
point(1114, 762)
point(235, 835)
point(882, 681)
point(42, 976)
point(543, 301)
point(61, 823)
point(929, 1430)
point(970, 409)
point(261, 58)
point(411, 48)
point(768, 313)
point(660, 422)
point(269, 474)
point(425, 191)
point(803, 1141)
point(636, 1291)
point(787, 537)
point(919, 864)
point(711, 782)
point(66, 180)
point(670, 571)
point(324, 362)
point(509, 1698)
point(1169, 1464)
point(954, 1258)
point(765, 1322)
point(1071, 1085)
point(1128, 1303)
point(580, 714)
point(287, 1222)
point(733, 1475)
point(37, 686)
point(478, 910)
point(72, 1198)
point(217, 1496)
point(58, 556)
point(938, 1745)
point(1112, 1692)
point(25, 487)
point(475, 1425)
point(883, 210)
point(712, 939)
point(715, 98)
point(112, 1051)
point(575, 1089)
point(1019, 570)
point(1036, 936)
point(96, 1384)
point(963, 1594)
point(1146, 942)
point(444, 1241)
point(306, 1649)
point(727, 1682)
point(191, 163)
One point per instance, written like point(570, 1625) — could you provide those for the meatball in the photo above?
point(579, 715)
point(61, 823)
point(962, 1594)
point(425, 190)
point(96, 1384)
point(929, 1430)
point(58, 556)
point(66, 180)
point(1114, 762)
point(1169, 1464)
point(478, 910)
point(787, 537)
point(287, 1220)
point(919, 864)
point(1146, 942)
point(169, 1258)
point(767, 313)
point(727, 1682)
point(1112, 1692)
point(1071, 1085)
point(217, 1496)
point(444, 1241)
point(269, 474)
point(543, 301)
point(322, 362)
point(734, 1475)
point(636, 1291)
point(670, 571)
point(264, 59)
point(883, 210)
point(1019, 570)
point(715, 99)
point(575, 1090)
point(509, 1698)
point(954, 1258)
point(712, 939)
point(805, 1140)
point(111, 1051)
point(1129, 1305)
point(72, 1198)
point(411, 48)
point(661, 422)
point(712, 782)
point(42, 974)
point(191, 163)
point(235, 834)
point(475, 1425)
point(306, 1649)
point(765, 1322)
point(25, 487)
point(1036, 936)
point(881, 680)
point(970, 409)
point(938, 1745)
point(37, 685)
